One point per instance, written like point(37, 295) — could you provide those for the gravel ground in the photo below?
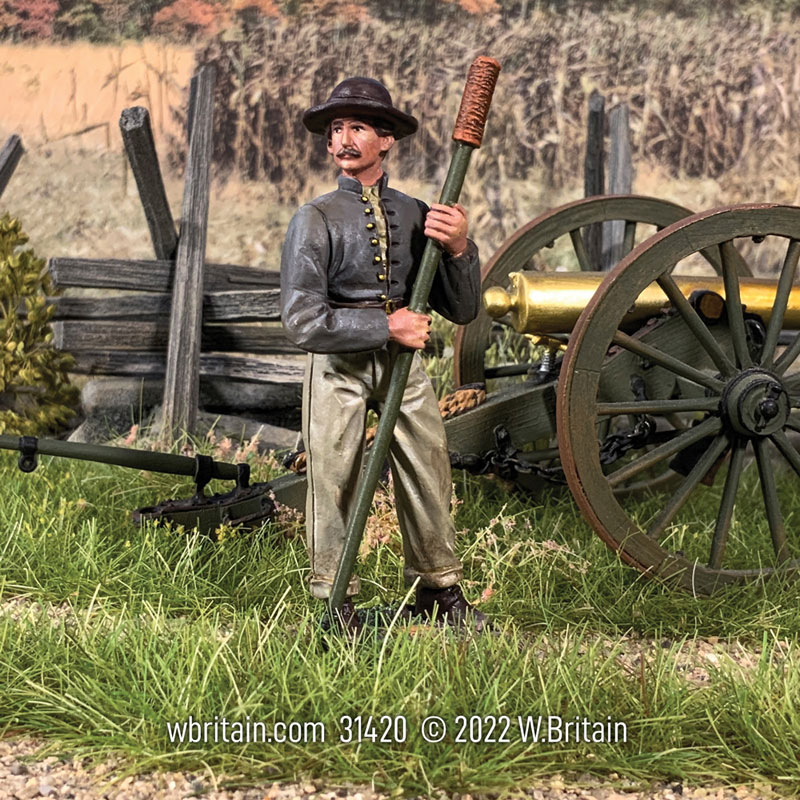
point(24, 777)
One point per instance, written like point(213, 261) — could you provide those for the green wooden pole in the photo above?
point(401, 358)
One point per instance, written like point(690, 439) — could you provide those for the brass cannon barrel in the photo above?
point(551, 302)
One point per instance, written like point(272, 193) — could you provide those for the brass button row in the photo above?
point(374, 241)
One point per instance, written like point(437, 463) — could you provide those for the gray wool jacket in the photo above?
point(334, 284)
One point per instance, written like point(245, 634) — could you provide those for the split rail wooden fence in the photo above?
point(174, 317)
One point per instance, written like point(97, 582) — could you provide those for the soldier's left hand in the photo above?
point(448, 226)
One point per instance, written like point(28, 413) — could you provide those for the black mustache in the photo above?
point(348, 151)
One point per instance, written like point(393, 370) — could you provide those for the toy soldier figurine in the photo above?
point(347, 271)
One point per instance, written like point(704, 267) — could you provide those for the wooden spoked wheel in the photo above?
point(741, 392)
point(560, 229)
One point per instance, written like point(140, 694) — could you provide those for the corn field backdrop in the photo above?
point(714, 98)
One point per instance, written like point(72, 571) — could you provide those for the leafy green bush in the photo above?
point(35, 393)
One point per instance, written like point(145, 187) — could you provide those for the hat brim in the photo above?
point(317, 118)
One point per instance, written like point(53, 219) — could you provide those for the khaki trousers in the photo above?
point(336, 394)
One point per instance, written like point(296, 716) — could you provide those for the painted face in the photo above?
point(356, 147)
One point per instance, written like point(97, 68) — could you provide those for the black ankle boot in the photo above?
point(449, 606)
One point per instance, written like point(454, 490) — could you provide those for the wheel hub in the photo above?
point(755, 403)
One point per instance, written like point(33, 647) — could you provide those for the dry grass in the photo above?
point(79, 203)
point(52, 91)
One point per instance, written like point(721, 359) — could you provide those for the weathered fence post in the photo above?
point(620, 180)
point(137, 136)
point(594, 181)
point(9, 158)
point(181, 385)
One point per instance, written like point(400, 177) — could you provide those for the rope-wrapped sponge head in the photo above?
point(475, 101)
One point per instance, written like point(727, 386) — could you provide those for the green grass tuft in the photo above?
point(109, 632)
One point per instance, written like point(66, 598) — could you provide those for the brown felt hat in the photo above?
point(356, 97)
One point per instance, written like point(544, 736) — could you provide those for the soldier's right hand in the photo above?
point(409, 328)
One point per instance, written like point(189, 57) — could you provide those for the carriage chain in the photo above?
point(616, 445)
point(504, 461)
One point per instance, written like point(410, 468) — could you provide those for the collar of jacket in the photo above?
point(348, 184)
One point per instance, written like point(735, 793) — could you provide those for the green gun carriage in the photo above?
point(678, 374)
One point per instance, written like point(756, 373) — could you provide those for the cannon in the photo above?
point(674, 378)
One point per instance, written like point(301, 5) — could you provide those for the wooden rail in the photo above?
point(137, 136)
point(182, 388)
point(127, 333)
point(211, 365)
point(257, 305)
point(604, 242)
point(620, 181)
point(153, 276)
point(9, 158)
point(594, 171)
